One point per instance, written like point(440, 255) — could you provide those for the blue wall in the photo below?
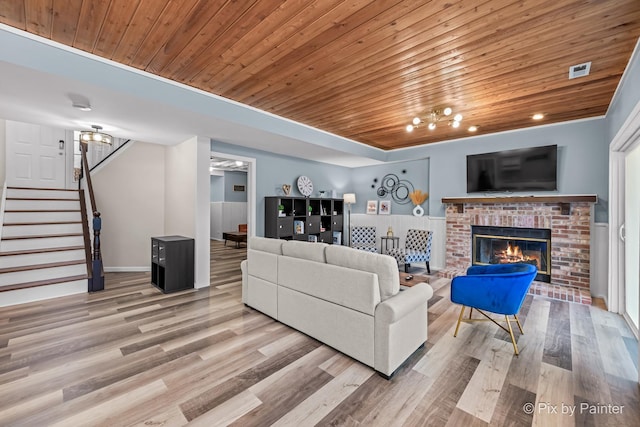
point(582, 160)
point(232, 178)
point(217, 188)
point(441, 168)
point(416, 172)
point(626, 97)
point(274, 170)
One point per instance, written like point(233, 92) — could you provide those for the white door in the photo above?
point(35, 156)
point(632, 236)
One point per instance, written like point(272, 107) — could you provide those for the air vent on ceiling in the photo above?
point(579, 70)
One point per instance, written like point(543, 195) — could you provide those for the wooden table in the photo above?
point(234, 236)
point(416, 279)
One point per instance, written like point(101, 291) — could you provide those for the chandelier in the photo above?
point(96, 135)
point(434, 117)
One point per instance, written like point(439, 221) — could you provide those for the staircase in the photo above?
point(42, 248)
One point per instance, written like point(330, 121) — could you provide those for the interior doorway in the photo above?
point(232, 200)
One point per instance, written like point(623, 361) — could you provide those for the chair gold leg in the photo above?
point(459, 320)
point(513, 339)
point(515, 316)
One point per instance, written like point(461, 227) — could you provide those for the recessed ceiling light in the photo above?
point(409, 128)
point(538, 116)
point(473, 128)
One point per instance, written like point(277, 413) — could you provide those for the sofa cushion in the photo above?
point(353, 289)
point(384, 266)
point(264, 244)
point(304, 250)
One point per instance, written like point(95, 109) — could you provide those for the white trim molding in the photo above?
point(627, 138)
point(251, 183)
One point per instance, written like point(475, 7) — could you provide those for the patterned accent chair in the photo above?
point(364, 238)
point(417, 249)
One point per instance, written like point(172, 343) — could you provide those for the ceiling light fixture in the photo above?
point(472, 128)
point(538, 116)
point(433, 117)
point(96, 135)
point(82, 106)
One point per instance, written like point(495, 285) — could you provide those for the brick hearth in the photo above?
point(570, 240)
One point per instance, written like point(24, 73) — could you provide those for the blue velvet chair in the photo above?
point(496, 288)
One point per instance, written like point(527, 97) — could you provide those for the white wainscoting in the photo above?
point(225, 216)
point(401, 224)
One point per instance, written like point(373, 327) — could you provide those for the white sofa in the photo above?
point(346, 298)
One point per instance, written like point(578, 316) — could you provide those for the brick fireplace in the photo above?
point(567, 217)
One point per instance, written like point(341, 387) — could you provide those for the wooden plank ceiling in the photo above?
point(363, 69)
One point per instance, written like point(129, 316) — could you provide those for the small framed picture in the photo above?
point(385, 207)
point(372, 207)
point(238, 188)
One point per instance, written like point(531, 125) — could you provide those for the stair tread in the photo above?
point(40, 210)
point(42, 236)
point(41, 266)
point(42, 283)
point(46, 199)
point(40, 189)
point(45, 250)
point(17, 224)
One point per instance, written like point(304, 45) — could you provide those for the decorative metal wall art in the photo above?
point(398, 189)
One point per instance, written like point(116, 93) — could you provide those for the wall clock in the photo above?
point(305, 186)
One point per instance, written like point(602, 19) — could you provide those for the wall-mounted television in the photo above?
point(525, 169)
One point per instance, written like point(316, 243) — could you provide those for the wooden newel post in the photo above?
point(97, 281)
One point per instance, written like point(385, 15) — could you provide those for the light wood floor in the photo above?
point(132, 356)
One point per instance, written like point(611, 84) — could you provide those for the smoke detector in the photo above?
point(579, 70)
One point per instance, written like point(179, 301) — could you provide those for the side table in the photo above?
point(384, 243)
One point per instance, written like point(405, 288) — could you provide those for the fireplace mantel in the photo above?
point(574, 198)
point(564, 201)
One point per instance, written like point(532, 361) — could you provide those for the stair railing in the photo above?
point(95, 269)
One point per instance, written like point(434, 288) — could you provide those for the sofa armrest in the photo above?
point(404, 302)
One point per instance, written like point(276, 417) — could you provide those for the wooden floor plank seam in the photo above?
point(131, 355)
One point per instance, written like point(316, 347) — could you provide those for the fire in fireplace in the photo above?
point(502, 245)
